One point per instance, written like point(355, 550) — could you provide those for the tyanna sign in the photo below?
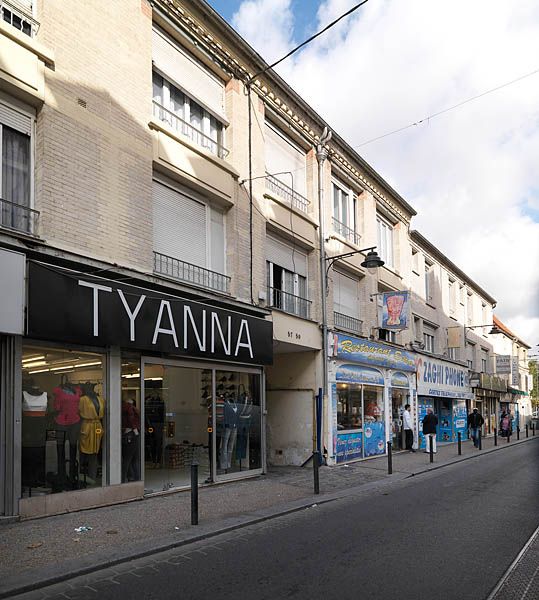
point(73, 307)
point(370, 353)
point(442, 379)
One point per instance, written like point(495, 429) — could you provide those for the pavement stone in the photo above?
point(161, 522)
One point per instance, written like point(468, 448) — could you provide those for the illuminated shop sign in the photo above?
point(371, 353)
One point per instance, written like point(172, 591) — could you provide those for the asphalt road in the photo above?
point(449, 534)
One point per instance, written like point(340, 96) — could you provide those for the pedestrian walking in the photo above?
point(475, 421)
point(505, 424)
point(408, 429)
point(430, 421)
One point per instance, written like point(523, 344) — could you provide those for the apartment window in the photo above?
point(16, 170)
point(470, 355)
point(484, 360)
point(286, 167)
point(18, 13)
point(287, 277)
point(429, 334)
point(462, 295)
point(346, 302)
point(453, 353)
point(415, 261)
point(189, 237)
point(484, 314)
point(428, 275)
point(386, 335)
point(469, 308)
point(417, 329)
point(344, 213)
point(186, 95)
point(385, 240)
point(452, 296)
point(186, 116)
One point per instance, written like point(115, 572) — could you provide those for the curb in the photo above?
point(47, 576)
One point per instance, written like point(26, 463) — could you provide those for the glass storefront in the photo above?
point(131, 424)
point(399, 398)
point(64, 412)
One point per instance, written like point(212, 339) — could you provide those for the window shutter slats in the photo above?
point(281, 155)
point(285, 256)
point(346, 294)
point(15, 119)
point(188, 73)
point(179, 225)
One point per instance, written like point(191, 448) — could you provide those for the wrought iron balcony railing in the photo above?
point(295, 305)
point(287, 193)
point(342, 321)
point(18, 217)
point(191, 132)
point(346, 232)
point(17, 15)
point(184, 271)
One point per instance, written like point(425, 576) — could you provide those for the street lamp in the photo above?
point(371, 263)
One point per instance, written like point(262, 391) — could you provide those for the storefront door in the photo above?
point(398, 401)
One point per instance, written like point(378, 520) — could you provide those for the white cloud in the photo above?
point(470, 173)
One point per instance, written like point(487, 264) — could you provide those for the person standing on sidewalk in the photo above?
point(475, 421)
point(408, 429)
point(430, 421)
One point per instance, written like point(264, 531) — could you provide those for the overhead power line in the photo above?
point(307, 41)
point(441, 112)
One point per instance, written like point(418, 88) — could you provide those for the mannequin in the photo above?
point(34, 426)
point(154, 410)
point(92, 410)
point(67, 419)
point(130, 441)
point(245, 406)
point(228, 441)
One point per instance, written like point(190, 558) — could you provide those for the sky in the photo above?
point(471, 173)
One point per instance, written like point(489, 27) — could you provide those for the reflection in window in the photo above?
point(131, 421)
point(63, 420)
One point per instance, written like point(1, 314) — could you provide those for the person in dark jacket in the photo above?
point(430, 421)
point(475, 420)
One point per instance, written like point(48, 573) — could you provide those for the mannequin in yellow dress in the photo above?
point(92, 410)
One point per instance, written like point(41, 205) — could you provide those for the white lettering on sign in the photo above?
point(97, 288)
point(159, 329)
point(215, 323)
point(244, 325)
point(201, 341)
point(132, 315)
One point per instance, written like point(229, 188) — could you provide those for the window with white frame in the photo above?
point(385, 240)
point(387, 335)
point(415, 261)
point(428, 277)
point(429, 336)
point(453, 353)
point(287, 277)
point(484, 360)
point(16, 169)
point(452, 295)
point(188, 237)
point(346, 302)
point(469, 308)
point(285, 166)
point(344, 212)
point(470, 355)
point(18, 13)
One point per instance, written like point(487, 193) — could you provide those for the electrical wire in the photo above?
point(441, 112)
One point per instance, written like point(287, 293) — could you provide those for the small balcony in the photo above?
point(286, 193)
point(346, 232)
point(347, 323)
point(184, 271)
point(289, 303)
point(17, 217)
point(195, 135)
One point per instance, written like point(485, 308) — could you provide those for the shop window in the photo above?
point(63, 420)
point(349, 410)
point(131, 426)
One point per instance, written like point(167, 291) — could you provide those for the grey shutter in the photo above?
point(347, 295)
point(179, 225)
point(284, 255)
point(282, 155)
point(15, 119)
point(188, 73)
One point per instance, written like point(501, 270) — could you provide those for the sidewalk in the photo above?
point(47, 550)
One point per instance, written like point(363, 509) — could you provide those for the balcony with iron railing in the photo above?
point(346, 232)
point(286, 193)
point(18, 16)
point(17, 217)
point(289, 303)
point(347, 323)
point(187, 272)
point(195, 135)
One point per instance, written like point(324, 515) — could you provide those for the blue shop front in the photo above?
point(366, 379)
point(445, 387)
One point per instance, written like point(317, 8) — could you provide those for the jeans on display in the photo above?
point(68, 433)
point(228, 441)
point(432, 436)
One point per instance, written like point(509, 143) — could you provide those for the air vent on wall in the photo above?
point(81, 102)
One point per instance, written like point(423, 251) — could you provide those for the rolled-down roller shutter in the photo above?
point(286, 256)
point(345, 295)
point(15, 119)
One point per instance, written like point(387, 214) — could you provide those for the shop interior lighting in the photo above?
point(131, 375)
point(153, 379)
point(38, 371)
point(31, 365)
point(62, 368)
point(90, 364)
point(31, 359)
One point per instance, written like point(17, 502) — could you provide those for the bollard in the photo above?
point(459, 438)
point(480, 447)
point(495, 436)
point(316, 475)
point(431, 451)
point(194, 493)
point(527, 430)
point(389, 459)
point(518, 433)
